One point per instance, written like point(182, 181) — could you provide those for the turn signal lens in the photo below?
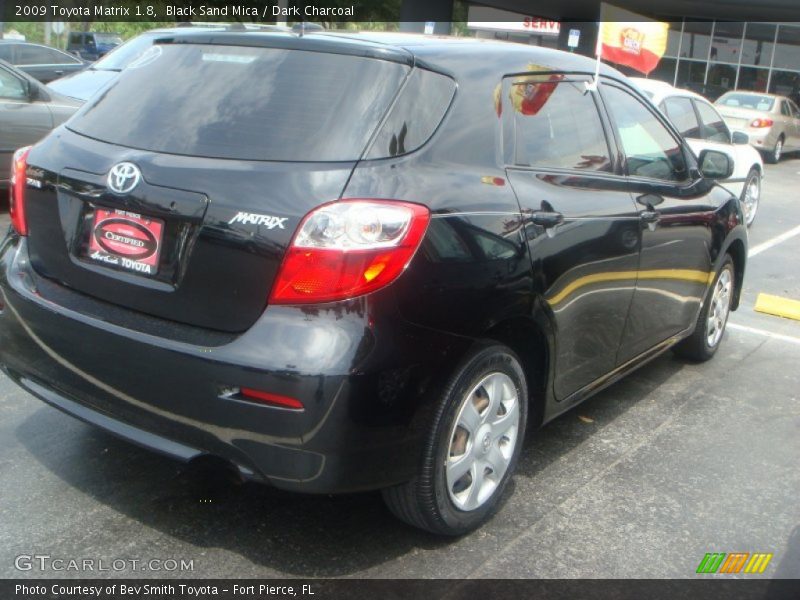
point(761, 122)
point(349, 248)
point(16, 190)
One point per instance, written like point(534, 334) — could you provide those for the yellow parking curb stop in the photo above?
point(775, 305)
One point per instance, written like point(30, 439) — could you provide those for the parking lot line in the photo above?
point(756, 250)
point(770, 334)
point(778, 306)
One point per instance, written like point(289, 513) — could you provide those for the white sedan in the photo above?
point(704, 128)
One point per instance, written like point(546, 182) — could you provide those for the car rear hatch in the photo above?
point(176, 191)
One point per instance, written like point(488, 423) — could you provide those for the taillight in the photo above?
point(16, 190)
point(349, 248)
point(761, 122)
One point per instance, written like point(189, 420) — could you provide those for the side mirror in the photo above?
point(715, 164)
point(740, 137)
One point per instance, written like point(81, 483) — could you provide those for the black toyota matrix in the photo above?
point(355, 262)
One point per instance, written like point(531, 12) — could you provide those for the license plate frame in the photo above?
point(126, 240)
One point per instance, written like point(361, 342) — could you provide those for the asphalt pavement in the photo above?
point(643, 480)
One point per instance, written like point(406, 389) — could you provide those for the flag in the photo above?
point(638, 42)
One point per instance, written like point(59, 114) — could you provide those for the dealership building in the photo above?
point(706, 55)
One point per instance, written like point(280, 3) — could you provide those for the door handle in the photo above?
point(546, 219)
point(58, 72)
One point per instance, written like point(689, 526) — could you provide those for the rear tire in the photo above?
point(751, 194)
point(710, 328)
point(472, 449)
point(774, 157)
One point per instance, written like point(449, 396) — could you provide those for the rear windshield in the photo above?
point(244, 103)
point(752, 101)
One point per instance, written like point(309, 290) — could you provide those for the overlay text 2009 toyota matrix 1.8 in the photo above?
point(359, 262)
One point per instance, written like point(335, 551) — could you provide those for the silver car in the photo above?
point(28, 111)
point(771, 122)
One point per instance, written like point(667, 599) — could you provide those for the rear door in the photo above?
point(675, 263)
point(176, 191)
point(581, 223)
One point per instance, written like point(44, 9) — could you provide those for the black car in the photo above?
point(374, 266)
point(41, 62)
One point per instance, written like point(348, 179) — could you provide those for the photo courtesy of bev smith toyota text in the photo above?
point(342, 299)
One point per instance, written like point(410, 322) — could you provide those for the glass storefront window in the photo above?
point(727, 43)
point(696, 39)
point(787, 52)
point(721, 78)
point(753, 79)
point(785, 83)
point(673, 38)
point(691, 75)
point(759, 39)
point(665, 71)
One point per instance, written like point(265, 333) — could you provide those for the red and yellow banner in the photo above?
point(636, 42)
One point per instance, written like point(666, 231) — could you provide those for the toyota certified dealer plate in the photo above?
point(126, 240)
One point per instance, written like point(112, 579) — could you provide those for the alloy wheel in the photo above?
point(778, 150)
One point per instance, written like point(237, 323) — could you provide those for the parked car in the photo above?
point(92, 45)
point(353, 262)
point(84, 84)
point(41, 62)
point(771, 122)
point(704, 128)
point(28, 111)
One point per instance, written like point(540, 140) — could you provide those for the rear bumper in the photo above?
point(365, 377)
point(762, 139)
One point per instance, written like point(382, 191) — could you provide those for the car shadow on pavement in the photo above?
point(205, 506)
point(580, 423)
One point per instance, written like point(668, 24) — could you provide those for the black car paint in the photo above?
point(368, 369)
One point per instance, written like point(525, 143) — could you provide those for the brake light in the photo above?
point(16, 190)
point(765, 122)
point(349, 248)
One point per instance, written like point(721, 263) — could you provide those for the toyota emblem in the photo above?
point(123, 177)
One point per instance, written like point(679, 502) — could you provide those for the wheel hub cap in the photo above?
point(482, 441)
point(719, 309)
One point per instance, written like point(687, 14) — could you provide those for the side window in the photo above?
point(11, 88)
point(31, 55)
point(714, 128)
point(416, 114)
point(795, 110)
point(785, 109)
point(681, 113)
point(557, 124)
point(56, 57)
point(650, 148)
point(75, 38)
